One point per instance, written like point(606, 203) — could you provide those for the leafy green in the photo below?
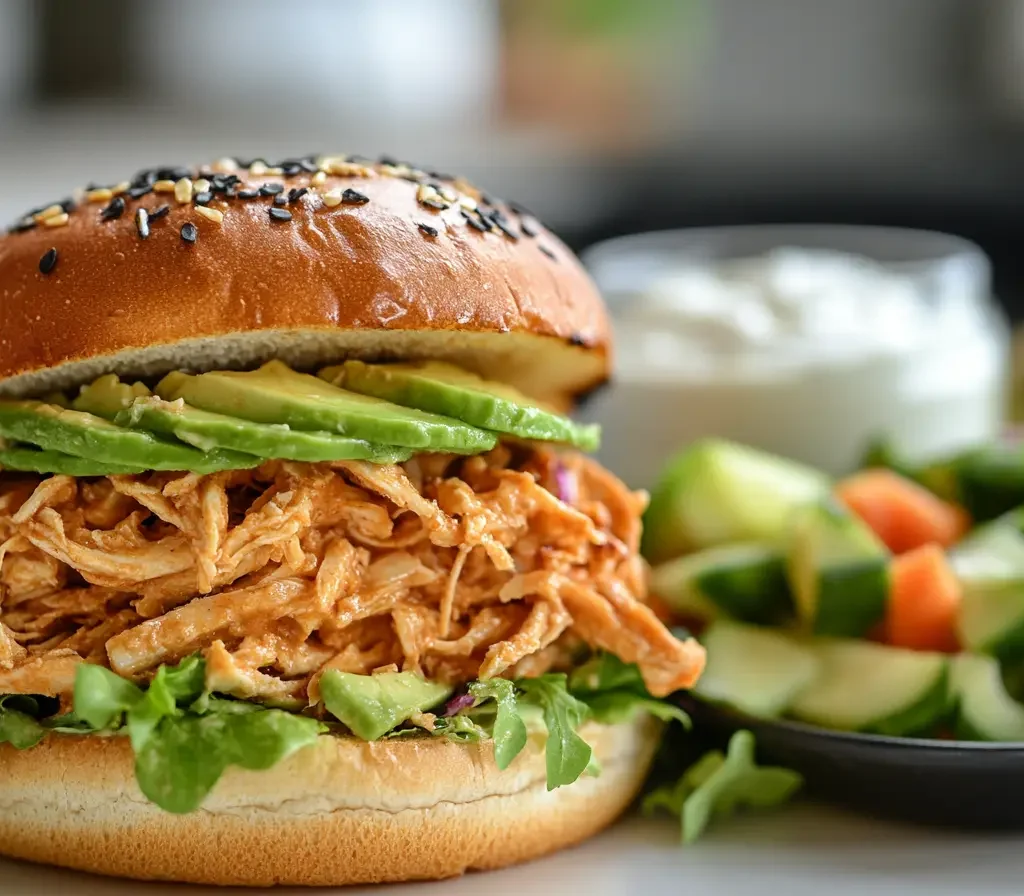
point(717, 785)
point(19, 726)
point(615, 692)
point(566, 753)
point(103, 697)
point(509, 729)
point(460, 728)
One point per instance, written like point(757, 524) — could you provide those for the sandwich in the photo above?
point(306, 576)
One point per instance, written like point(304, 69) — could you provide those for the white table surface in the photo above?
point(800, 851)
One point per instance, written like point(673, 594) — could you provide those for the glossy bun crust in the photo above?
point(406, 265)
point(340, 812)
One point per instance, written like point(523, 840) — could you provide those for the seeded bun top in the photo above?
point(309, 261)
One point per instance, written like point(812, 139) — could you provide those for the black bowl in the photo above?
point(935, 782)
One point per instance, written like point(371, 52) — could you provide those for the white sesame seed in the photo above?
point(449, 194)
point(225, 165)
point(103, 194)
point(341, 168)
point(318, 178)
point(277, 169)
point(51, 211)
point(183, 190)
point(210, 214)
point(201, 185)
point(332, 198)
point(56, 220)
point(468, 203)
point(258, 168)
point(120, 188)
point(163, 186)
point(425, 192)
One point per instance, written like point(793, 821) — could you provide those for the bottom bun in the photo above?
point(342, 811)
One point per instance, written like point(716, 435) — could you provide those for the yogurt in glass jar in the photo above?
point(809, 342)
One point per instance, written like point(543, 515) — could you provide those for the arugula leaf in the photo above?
point(184, 756)
point(566, 753)
point(103, 697)
point(18, 724)
point(461, 729)
point(509, 731)
point(717, 785)
point(622, 706)
point(615, 692)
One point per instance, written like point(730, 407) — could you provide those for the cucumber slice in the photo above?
point(838, 571)
point(743, 581)
point(755, 670)
point(450, 390)
point(717, 492)
point(874, 688)
point(990, 566)
point(986, 711)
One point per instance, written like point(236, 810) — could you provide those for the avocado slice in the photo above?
point(371, 705)
point(107, 396)
point(87, 436)
point(277, 394)
point(446, 389)
point(207, 431)
point(24, 458)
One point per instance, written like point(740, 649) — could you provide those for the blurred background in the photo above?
point(603, 116)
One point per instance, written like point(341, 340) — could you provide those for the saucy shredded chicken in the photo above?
point(456, 568)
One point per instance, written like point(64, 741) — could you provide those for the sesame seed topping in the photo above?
point(51, 211)
point(548, 253)
point(436, 204)
point(183, 190)
point(121, 187)
point(159, 212)
point(275, 169)
point(225, 165)
point(248, 194)
point(22, 225)
point(203, 198)
point(528, 226)
point(343, 167)
point(142, 223)
point(427, 229)
point(477, 223)
point(139, 191)
point(48, 262)
point(426, 192)
point(99, 194)
point(280, 214)
point(468, 203)
point(354, 197)
point(271, 189)
point(318, 178)
point(258, 167)
point(189, 233)
point(332, 198)
point(211, 214)
point(201, 185)
point(114, 210)
point(448, 193)
point(280, 199)
point(163, 186)
point(297, 193)
point(498, 220)
point(56, 220)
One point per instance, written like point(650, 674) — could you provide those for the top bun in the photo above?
point(405, 265)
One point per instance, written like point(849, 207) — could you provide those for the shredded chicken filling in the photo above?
point(456, 568)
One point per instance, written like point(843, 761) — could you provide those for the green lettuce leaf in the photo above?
point(615, 692)
point(717, 785)
point(171, 689)
point(566, 753)
point(460, 728)
point(509, 729)
point(19, 726)
point(103, 697)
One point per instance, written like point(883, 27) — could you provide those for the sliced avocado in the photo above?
point(371, 705)
point(277, 394)
point(36, 460)
point(207, 431)
point(108, 396)
point(88, 436)
point(446, 389)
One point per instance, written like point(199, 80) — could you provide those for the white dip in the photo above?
point(807, 353)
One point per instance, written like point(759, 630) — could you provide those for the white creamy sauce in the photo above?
point(807, 353)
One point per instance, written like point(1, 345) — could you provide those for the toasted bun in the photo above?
point(358, 279)
point(341, 812)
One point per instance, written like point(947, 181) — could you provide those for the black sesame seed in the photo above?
point(389, 160)
point(114, 210)
point(140, 191)
point(280, 199)
point(477, 223)
point(176, 172)
point(354, 197)
point(142, 223)
point(499, 221)
point(271, 189)
point(427, 229)
point(297, 193)
point(577, 340)
point(68, 205)
point(521, 209)
point(488, 200)
point(159, 212)
point(436, 204)
point(280, 214)
point(291, 170)
point(22, 225)
point(309, 165)
point(48, 262)
point(548, 253)
point(203, 198)
point(189, 233)
point(528, 226)
point(248, 194)
point(439, 175)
